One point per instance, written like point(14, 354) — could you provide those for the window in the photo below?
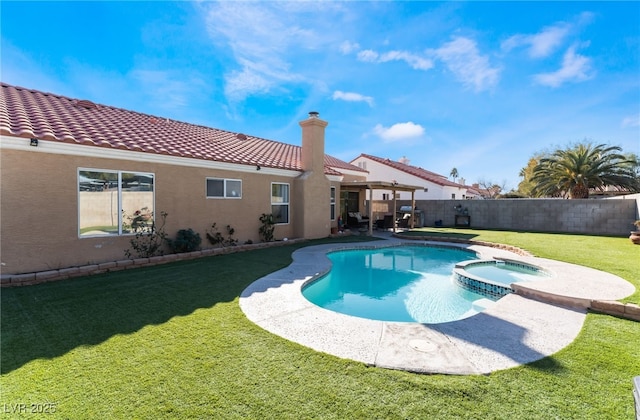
point(224, 188)
point(280, 202)
point(333, 203)
point(453, 196)
point(114, 202)
point(385, 196)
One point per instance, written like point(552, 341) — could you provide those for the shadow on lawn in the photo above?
point(48, 320)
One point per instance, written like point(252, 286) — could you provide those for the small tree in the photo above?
point(491, 189)
point(525, 187)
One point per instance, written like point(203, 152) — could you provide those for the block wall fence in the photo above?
point(612, 217)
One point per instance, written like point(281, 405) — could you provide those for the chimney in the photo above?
point(309, 212)
point(313, 143)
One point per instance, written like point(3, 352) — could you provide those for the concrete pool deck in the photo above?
point(513, 331)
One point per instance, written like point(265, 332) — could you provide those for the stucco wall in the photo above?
point(39, 208)
point(600, 217)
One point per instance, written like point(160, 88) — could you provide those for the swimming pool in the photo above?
point(402, 284)
point(504, 271)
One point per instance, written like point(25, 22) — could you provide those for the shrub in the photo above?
point(149, 239)
point(267, 227)
point(216, 238)
point(186, 241)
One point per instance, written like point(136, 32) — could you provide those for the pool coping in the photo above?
point(514, 331)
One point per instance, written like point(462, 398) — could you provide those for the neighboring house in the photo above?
point(434, 186)
point(77, 175)
point(475, 192)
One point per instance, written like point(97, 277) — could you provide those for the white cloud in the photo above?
point(399, 131)
point(241, 83)
point(352, 97)
point(369, 56)
point(549, 39)
point(463, 59)
point(261, 38)
point(541, 44)
point(631, 121)
point(414, 61)
point(575, 68)
point(348, 47)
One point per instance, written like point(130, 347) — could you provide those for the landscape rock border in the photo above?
point(29, 279)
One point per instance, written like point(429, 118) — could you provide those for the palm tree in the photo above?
point(454, 174)
point(572, 172)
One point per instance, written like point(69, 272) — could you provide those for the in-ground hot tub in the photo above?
point(493, 278)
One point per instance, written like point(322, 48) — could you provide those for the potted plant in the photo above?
point(635, 234)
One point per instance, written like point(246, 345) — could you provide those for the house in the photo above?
point(476, 192)
point(77, 175)
point(432, 185)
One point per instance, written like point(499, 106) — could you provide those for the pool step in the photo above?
point(482, 287)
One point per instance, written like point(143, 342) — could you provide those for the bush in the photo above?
point(216, 238)
point(149, 238)
point(267, 227)
point(186, 241)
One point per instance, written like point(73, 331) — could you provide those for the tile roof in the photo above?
point(415, 171)
point(33, 114)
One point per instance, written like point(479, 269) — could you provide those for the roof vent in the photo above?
point(314, 114)
point(241, 136)
point(86, 104)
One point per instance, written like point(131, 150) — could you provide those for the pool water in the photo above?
point(505, 273)
point(403, 284)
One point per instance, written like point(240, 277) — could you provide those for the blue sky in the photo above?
point(479, 86)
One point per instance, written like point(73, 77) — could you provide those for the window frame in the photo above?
point(332, 203)
point(120, 199)
point(225, 188)
point(283, 203)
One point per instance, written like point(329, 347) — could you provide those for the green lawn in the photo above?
point(170, 341)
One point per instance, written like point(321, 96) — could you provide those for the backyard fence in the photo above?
point(591, 216)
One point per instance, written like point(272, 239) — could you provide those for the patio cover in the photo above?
point(382, 185)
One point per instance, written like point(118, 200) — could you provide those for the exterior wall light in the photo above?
point(34, 142)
